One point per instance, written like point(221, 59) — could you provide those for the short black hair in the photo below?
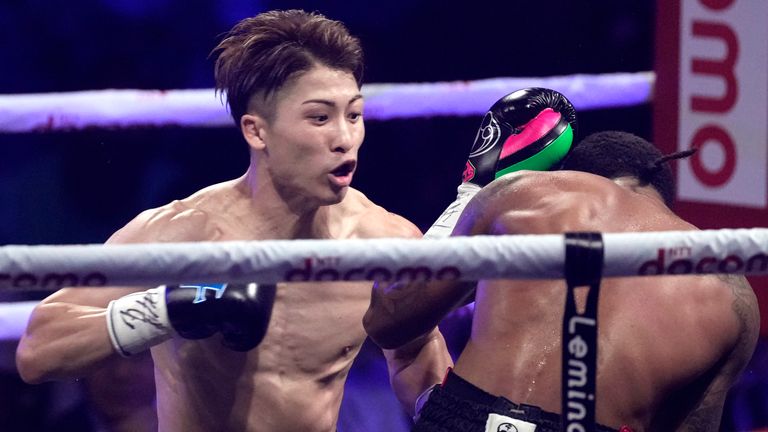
point(262, 53)
point(614, 154)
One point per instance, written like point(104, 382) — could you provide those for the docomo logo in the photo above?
point(51, 280)
point(757, 263)
point(724, 69)
point(379, 274)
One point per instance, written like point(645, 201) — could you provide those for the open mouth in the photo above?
point(342, 175)
point(344, 169)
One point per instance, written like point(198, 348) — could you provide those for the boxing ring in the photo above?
point(49, 267)
point(117, 109)
point(742, 251)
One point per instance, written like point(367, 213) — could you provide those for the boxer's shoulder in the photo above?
point(536, 202)
point(175, 221)
point(368, 219)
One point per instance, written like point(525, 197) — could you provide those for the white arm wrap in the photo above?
point(138, 321)
point(443, 226)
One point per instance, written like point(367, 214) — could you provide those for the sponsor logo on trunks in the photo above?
point(579, 396)
point(51, 280)
point(677, 261)
point(502, 423)
point(324, 270)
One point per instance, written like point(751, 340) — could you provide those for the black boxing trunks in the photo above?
point(458, 405)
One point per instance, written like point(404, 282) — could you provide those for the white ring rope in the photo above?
point(201, 107)
point(737, 251)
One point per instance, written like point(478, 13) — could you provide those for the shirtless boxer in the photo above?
point(292, 83)
point(669, 347)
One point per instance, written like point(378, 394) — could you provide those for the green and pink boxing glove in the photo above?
point(529, 129)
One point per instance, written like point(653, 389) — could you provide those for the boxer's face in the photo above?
point(312, 142)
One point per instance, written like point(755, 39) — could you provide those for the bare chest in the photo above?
point(315, 328)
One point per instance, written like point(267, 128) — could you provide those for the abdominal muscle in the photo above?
point(294, 380)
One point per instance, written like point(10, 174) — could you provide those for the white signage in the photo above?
point(723, 99)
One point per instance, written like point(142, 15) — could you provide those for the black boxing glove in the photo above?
point(240, 312)
point(529, 129)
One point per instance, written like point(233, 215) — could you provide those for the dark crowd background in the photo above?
point(80, 186)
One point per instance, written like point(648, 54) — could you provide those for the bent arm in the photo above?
point(417, 366)
point(66, 336)
point(403, 311)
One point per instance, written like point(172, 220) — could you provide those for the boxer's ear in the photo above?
point(252, 127)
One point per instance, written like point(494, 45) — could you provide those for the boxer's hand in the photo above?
point(530, 129)
point(240, 312)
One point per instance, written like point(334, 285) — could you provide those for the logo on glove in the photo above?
point(200, 296)
point(487, 136)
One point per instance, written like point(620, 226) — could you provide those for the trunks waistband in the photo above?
point(458, 386)
point(466, 390)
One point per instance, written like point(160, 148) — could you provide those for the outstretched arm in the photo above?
point(531, 129)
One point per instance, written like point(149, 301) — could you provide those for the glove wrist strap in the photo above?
point(443, 226)
point(138, 321)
